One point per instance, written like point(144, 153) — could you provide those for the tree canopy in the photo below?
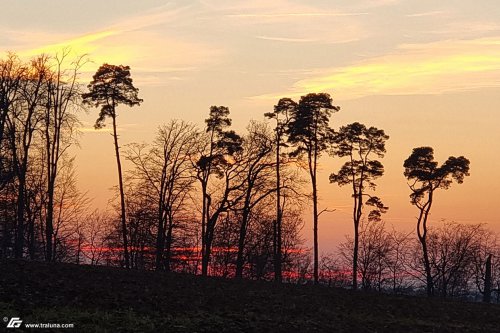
point(111, 85)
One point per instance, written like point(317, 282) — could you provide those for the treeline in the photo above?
point(210, 201)
point(391, 261)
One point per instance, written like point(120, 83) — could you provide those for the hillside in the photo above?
point(103, 299)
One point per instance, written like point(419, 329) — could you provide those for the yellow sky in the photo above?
point(427, 73)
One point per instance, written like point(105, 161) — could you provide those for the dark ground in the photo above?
point(103, 299)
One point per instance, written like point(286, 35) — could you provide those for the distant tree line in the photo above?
point(208, 200)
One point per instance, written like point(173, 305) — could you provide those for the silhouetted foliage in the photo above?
point(281, 114)
point(110, 87)
point(360, 145)
point(217, 157)
point(310, 133)
point(425, 177)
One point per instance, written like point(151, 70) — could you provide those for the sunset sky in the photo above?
point(426, 72)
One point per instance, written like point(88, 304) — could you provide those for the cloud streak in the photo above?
point(426, 14)
point(428, 68)
point(287, 39)
point(293, 15)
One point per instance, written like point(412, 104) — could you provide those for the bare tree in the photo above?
point(485, 270)
point(257, 182)
point(397, 261)
point(70, 206)
point(453, 249)
point(166, 168)
point(59, 126)
point(22, 122)
point(13, 74)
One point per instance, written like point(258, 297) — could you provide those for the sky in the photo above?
point(426, 72)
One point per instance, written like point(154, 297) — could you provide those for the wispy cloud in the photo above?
point(287, 39)
point(132, 40)
point(428, 68)
point(465, 28)
point(426, 14)
point(293, 15)
point(297, 21)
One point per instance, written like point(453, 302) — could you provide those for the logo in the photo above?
point(15, 322)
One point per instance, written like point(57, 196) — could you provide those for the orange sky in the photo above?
point(428, 73)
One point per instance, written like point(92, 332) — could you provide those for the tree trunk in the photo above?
point(49, 226)
point(277, 260)
point(204, 227)
point(122, 196)
point(427, 265)
point(355, 256)
point(357, 213)
point(205, 259)
point(160, 239)
point(422, 237)
point(168, 245)
point(315, 228)
point(428, 274)
point(18, 250)
point(241, 243)
point(487, 281)
point(31, 230)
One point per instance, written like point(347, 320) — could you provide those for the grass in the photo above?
point(104, 299)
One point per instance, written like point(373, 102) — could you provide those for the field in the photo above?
point(103, 299)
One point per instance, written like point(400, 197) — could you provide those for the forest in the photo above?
point(206, 200)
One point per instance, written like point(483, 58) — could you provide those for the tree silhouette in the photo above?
point(13, 75)
point(281, 114)
point(164, 168)
point(425, 177)
point(22, 125)
point(59, 122)
point(310, 133)
point(216, 158)
point(360, 144)
point(110, 87)
point(257, 180)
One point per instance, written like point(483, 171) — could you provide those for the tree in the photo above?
point(281, 114)
point(63, 99)
point(425, 177)
point(96, 230)
point(216, 157)
point(376, 247)
point(360, 145)
point(257, 179)
point(70, 206)
point(166, 171)
point(453, 248)
point(310, 133)
point(13, 74)
point(486, 266)
point(110, 87)
point(22, 123)
point(397, 262)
